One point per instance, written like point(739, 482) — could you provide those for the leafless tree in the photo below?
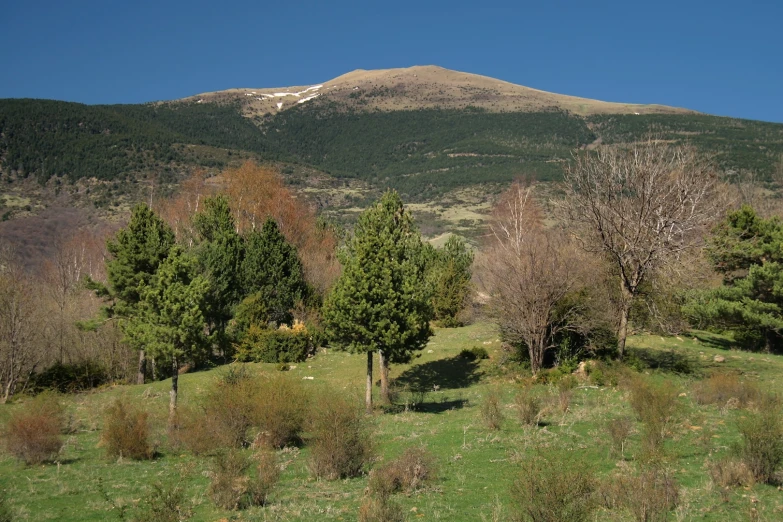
point(20, 326)
point(640, 206)
point(528, 271)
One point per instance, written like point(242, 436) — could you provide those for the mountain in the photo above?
point(433, 134)
point(423, 87)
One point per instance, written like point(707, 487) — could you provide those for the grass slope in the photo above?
point(476, 465)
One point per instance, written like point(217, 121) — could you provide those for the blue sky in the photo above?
point(718, 57)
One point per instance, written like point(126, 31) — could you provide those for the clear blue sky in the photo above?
point(720, 57)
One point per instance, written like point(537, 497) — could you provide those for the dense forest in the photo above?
point(421, 153)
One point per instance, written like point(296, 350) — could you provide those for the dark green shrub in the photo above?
point(125, 432)
point(553, 488)
point(340, 438)
point(475, 353)
point(69, 378)
point(283, 345)
point(34, 432)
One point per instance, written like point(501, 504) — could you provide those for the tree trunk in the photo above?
point(142, 367)
point(622, 331)
point(383, 363)
point(173, 392)
point(536, 350)
point(368, 391)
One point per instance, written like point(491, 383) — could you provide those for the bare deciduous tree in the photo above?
point(528, 271)
point(640, 206)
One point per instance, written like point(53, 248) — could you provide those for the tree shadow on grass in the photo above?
point(713, 341)
point(668, 360)
point(443, 374)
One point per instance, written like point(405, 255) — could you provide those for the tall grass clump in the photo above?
point(126, 432)
point(237, 481)
point(553, 488)
point(619, 429)
point(34, 432)
point(409, 472)
point(491, 412)
point(280, 411)
point(761, 448)
point(340, 440)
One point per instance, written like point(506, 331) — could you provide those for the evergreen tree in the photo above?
point(450, 277)
point(272, 274)
point(748, 250)
point(381, 301)
point(219, 251)
point(170, 321)
point(137, 251)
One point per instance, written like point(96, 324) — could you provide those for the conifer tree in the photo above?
point(748, 251)
point(450, 276)
point(381, 301)
point(220, 250)
point(170, 320)
point(137, 251)
point(272, 274)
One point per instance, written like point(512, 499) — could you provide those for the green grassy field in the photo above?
point(476, 465)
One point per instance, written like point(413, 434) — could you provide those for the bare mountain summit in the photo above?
point(423, 87)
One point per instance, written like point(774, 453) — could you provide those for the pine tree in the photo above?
point(272, 271)
point(137, 251)
point(220, 250)
point(450, 276)
point(748, 251)
point(381, 301)
point(170, 321)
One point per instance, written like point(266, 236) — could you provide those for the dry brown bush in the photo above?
point(491, 412)
point(649, 496)
point(528, 407)
point(235, 486)
point(280, 410)
point(380, 509)
point(126, 432)
point(730, 472)
point(340, 437)
point(619, 430)
point(761, 448)
point(408, 472)
point(553, 488)
point(656, 406)
point(720, 388)
point(34, 433)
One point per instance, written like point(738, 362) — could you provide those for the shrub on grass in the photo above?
point(730, 472)
point(125, 432)
point(408, 472)
point(491, 412)
point(528, 407)
point(165, 503)
point(619, 429)
point(34, 433)
point(761, 448)
point(553, 488)
point(656, 406)
point(340, 438)
point(280, 411)
point(649, 495)
point(234, 485)
point(377, 508)
point(565, 391)
point(475, 353)
point(720, 388)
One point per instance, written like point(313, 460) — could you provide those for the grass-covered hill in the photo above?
point(424, 131)
point(703, 391)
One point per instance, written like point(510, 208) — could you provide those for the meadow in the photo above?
point(476, 465)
